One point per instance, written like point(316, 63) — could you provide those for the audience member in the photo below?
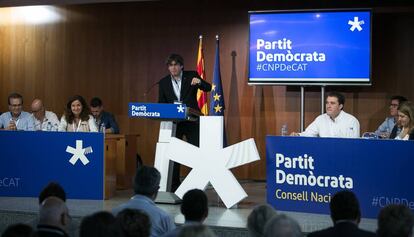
point(282, 226)
point(258, 218)
point(18, 230)
point(345, 215)
point(43, 120)
point(196, 230)
point(335, 122)
point(16, 118)
point(53, 218)
point(194, 208)
point(99, 224)
point(406, 120)
point(103, 119)
point(395, 221)
point(52, 189)
point(134, 223)
point(77, 117)
point(146, 185)
point(384, 130)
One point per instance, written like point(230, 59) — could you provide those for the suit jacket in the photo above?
point(188, 92)
point(109, 121)
point(343, 229)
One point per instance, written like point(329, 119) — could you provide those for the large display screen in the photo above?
point(317, 47)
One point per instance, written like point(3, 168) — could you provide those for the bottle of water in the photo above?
point(49, 126)
point(284, 130)
point(102, 128)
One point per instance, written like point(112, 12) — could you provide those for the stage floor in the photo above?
point(219, 216)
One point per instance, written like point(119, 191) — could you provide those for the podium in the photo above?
point(169, 114)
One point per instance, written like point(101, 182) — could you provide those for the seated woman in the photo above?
point(406, 121)
point(77, 117)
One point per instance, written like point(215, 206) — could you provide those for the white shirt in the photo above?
point(177, 86)
point(49, 123)
point(344, 125)
point(82, 126)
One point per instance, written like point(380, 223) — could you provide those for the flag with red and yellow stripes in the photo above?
point(201, 95)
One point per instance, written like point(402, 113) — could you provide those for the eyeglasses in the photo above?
point(394, 105)
point(15, 105)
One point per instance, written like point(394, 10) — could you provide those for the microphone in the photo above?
point(150, 88)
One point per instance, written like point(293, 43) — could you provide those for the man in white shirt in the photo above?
point(43, 120)
point(335, 122)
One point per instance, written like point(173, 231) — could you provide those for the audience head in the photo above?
point(334, 103)
point(15, 102)
point(396, 100)
point(344, 205)
point(395, 221)
point(195, 205)
point(96, 107)
point(406, 115)
point(54, 212)
point(52, 190)
point(196, 230)
point(134, 223)
point(175, 64)
point(77, 108)
point(18, 230)
point(99, 224)
point(258, 218)
point(147, 181)
point(282, 226)
point(38, 110)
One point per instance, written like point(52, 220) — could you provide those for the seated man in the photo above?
point(43, 120)
point(345, 215)
point(282, 226)
point(395, 220)
point(335, 122)
point(16, 119)
point(146, 185)
point(103, 118)
point(53, 218)
point(384, 130)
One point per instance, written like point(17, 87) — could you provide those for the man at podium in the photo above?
point(181, 87)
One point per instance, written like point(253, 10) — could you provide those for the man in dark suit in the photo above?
point(345, 215)
point(181, 87)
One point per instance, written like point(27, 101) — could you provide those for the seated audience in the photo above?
point(146, 185)
point(335, 122)
point(18, 230)
point(384, 130)
point(77, 117)
point(16, 118)
point(196, 230)
point(282, 226)
point(43, 120)
point(258, 218)
point(395, 221)
point(194, 208)
point(345, 215)
point(99, 224)
point(102, 118)
point(52, 189)
point(53, 218)
point(134, 223)
point(406, 121)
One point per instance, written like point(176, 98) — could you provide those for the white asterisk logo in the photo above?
point(79, 153)
point(180, 109)
point(356, 24)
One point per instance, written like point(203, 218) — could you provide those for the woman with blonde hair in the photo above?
point(406, 121)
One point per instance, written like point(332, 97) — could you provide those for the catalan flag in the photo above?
point(201, 95)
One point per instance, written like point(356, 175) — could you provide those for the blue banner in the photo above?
point(303, 173)
point(30, 160)
point(158, 111)
point(316, 46)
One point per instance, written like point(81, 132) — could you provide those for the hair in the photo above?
point(84, 116)
point(344, 205)
point(52, 189)
point(18, 230)
point(134, 223)
point(174, 58)
point(14, 95)
point(195, 205)
point(258, 218)
point(339, 96)
point(399, 98)
point(196, 230)
point(395, 221)
point(96, 102)
point(282, 226)
point(407, 108)
point(147, 181)
point(99, 224)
